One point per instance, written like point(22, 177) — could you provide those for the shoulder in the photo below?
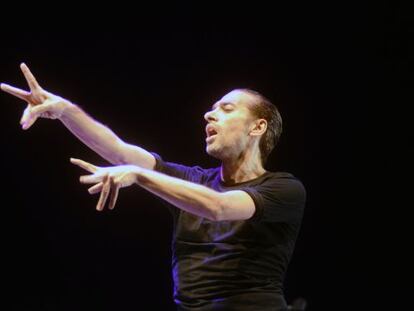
point(281, 177)
point(278, 197)
point(283, 185)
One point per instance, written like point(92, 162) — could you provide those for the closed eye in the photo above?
point(224, 106)
point(227, 107)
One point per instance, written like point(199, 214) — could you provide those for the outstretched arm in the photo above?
point(98, 137)
point(190, 197)
point(103, 141)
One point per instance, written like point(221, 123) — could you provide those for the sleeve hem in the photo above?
point(158, 162)
point(254, 194)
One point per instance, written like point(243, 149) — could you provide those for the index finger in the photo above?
point(22, 94)
point(85, 165)
point(31, 80)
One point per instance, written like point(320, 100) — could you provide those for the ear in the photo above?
point(259, 127)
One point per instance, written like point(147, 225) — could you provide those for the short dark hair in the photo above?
point(264, 109)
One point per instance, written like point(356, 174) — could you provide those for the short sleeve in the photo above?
point(190, 173)
point(278, 200)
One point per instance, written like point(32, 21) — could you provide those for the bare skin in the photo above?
point(98, 137)
point(107, 180)
point(40, 103)
point(232, 137)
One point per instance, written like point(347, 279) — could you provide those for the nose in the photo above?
point(210, 116)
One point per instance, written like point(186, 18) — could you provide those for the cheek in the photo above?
point(235, 135)
point(237, 129)
point(234, 129)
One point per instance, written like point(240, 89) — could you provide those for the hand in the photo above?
point(107, 180)
point(40, 102)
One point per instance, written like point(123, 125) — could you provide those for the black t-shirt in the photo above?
point(235, 265)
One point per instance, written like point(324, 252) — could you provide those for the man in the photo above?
point(235, 226)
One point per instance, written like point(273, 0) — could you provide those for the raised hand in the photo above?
point(40, 102)
point(107, 180)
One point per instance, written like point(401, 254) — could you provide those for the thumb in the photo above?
point(39, 109)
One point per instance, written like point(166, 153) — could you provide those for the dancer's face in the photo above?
point(229, 125)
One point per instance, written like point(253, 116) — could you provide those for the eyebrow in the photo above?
point(221, 104)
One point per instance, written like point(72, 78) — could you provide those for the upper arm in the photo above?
point(235, 205)
point(279, 200)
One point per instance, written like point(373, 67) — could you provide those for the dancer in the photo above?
point(235, 225)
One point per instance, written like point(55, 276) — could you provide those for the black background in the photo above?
point(340, 77)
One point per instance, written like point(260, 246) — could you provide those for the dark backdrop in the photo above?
point(338, 75)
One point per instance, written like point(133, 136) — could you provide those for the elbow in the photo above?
point(215, 215)
point(121, 155)
point(217, 209)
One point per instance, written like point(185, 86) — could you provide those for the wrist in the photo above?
point(67, 108)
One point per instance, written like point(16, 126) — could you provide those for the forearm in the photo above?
point(190, 197)
point(102, 140)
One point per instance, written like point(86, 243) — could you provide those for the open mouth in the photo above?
point(211, 132)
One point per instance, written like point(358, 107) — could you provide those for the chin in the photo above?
point(213, 152)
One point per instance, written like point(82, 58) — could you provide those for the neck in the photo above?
point(244, 168)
